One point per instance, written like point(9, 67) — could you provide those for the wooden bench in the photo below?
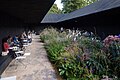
point(4, 62)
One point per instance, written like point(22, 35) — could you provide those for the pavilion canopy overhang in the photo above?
point(98, 11)
point(28, 11)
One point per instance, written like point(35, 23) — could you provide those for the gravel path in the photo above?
point(36, 66)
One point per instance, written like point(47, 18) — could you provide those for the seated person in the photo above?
point(24, 35)
point(23, 38)
point(5, 45)
point(10, 41)
point(20, 39)
point(15, 40)
point(29, 38)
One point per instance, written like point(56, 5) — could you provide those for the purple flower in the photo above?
point(87, 67)
point(119, 36)
point(78, 56)
point(65, 59)
point(92, 71)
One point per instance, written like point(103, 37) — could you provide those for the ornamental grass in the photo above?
point(80, 57)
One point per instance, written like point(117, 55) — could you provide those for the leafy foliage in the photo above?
point(54, 10)
point(85, 58)
point(72, 5)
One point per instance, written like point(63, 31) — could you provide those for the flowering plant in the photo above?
point(110, 39)
point(85, 57)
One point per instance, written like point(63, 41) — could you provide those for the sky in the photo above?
point(58, 2)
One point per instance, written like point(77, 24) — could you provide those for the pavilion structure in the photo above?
point(17, 16)
point(101, 16)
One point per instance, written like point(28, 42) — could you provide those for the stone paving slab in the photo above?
point(37, 65)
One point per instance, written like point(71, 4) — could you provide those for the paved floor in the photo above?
point(36, 66)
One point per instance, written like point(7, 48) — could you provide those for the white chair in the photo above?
point(19, 60)
point(19, 52)
point(27, 54)
point(9, 78)
point(20, 57)
point(25, 45)
point(5, 53)
point(10, 47)
point(15, 48)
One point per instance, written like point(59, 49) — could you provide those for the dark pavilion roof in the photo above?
point(52, 18)
point(28, 11)
point(96, 7)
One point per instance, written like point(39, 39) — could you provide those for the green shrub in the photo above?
point(83, 59)
point(54, 50)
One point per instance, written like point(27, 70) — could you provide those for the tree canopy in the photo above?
point(72, 5)
point(54, 9)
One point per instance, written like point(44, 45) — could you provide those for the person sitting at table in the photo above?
point(24, 35)
point(23, 38)
point(21, 42)
point(15, 40)
point(10, 41)
point(5, 45)
point(29, 38)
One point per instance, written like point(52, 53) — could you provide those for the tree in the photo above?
point(54, 9)
point(72, 5)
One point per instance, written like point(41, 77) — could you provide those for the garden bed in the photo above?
point(81, 55)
